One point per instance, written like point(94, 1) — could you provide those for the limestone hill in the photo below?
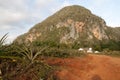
point(75, 26)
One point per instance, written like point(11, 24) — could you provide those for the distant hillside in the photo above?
point(113, 33)
point(73, 26)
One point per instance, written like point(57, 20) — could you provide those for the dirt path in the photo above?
point(91, 67)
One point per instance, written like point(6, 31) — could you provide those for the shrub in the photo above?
point(30, 52)
point(62, 53)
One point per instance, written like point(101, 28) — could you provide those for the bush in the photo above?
point(111, 45)
point(111, 53)
point(62, 53)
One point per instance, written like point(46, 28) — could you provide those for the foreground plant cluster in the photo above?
point(28, 61)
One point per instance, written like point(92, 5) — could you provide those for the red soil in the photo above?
point(91, 67)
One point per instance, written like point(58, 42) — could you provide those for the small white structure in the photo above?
point(89, 50)
point(96, 52)
point(86, 50)
point(80, 49)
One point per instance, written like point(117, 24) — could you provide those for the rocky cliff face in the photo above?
point(72, 24)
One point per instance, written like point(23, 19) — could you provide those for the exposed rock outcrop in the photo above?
point(72, 24)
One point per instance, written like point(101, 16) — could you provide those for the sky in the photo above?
point(18, 16)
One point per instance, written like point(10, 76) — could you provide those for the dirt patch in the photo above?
point(91, 67)
point(96, 77)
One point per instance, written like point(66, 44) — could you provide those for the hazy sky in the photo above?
point(18, 16)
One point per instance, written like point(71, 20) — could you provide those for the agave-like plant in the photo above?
point(2, 40)
point(30, 53)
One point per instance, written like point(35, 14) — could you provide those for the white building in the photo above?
point(80, 49)
point(86, 50)
point(90, 50)
point(96, 52)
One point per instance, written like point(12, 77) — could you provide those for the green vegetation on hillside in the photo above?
point(51, 35)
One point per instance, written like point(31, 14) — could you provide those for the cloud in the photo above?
point(11, 12)
point(5, 27)
point(43, 2)
point(8, 16)
point(13, 4)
